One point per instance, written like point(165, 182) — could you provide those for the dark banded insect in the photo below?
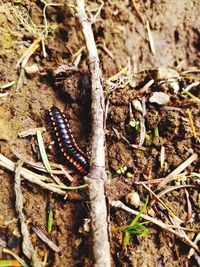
point(67, 145)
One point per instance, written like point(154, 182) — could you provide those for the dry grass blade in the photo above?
point(189, 87)
point(31, 131)
point(30, 176)
point(141, 19)
point(151, 41)
point(41, 234)
point(43, 152)
point(178, 170)
point(5, 86)
point(169, 228)
point(142, 130)
point(145, 87)
point(189, 206)
point(27, 246)
point(196, 99)
point(28, 53)
point(118, 74)
point(192, 251)
point(3, 94)
point(191, 123)
point(178, 220)
point(56, 168)
point(162, 157)
point(172, 188)
point(133, 145)
point(69, 177)
point(159, 180)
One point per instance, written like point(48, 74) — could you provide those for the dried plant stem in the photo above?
point(27, 245)
point(30, 176)
point(178, 170)
point(97, 176)
point(185, 238)
point(163, 204)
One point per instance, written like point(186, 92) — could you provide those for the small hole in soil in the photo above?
point(176, 36)
point(63, 34)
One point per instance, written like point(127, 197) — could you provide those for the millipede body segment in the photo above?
point(67, 145)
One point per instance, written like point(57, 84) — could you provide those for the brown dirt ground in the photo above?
point(175, 29)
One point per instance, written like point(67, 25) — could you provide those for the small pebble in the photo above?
point(159, 98)
point(133, 198)
point(137, 105)
point(33, 69)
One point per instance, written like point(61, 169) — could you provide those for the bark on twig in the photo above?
point(97, 176)
point(27, 245)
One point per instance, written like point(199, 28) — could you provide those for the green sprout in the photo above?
point(137, 127)
point(148, 138)
point(135, 228)
point(50, 220)
point(156, 132)
point(9, 263)
point(156, 136)
point(122, 170)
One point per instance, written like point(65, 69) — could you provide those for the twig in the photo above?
point(97, 176)
point(191, 252)
point(27, 245)
point(31, 131)
point(133, 145)
point(30, 176)
point(151, 41)
point(56, 168)
point(178, 221)
point(158, 180)
point(41, 234)
point(140, 17)
point(167, 190)
point(119, 204)
point(178, 170)
point(145, 87)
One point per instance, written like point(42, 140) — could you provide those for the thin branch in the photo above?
point(97, 176)
point(30, 176)
point(178, 170)
point(27, 245)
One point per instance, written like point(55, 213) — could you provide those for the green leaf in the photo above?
point(140, 213)
point(21, 261)
point(50, 221)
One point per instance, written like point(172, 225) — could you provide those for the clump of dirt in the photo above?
point(121, 38)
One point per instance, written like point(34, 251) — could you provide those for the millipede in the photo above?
point(66, 143)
